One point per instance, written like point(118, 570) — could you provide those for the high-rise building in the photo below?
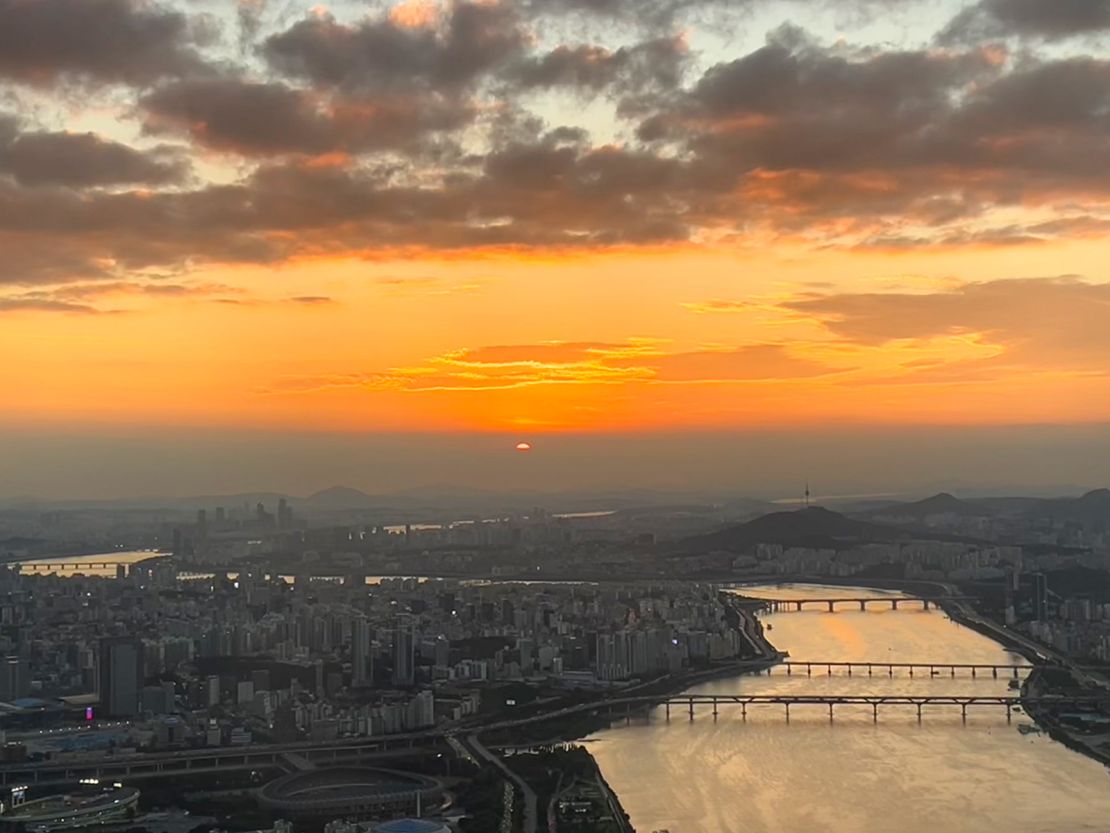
point(526, 647)
point(121, 676)
point(1040, 596)
point(403, 653)
point(362, 662)
point(15, 681)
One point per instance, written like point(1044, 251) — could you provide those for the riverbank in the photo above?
point(1038, 684)
point(574, 727)
point(562, 730)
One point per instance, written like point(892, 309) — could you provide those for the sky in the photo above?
point(657, 235)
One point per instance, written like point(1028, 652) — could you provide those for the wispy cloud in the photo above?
point(635, 362)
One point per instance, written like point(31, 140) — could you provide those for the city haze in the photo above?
point(766, 464)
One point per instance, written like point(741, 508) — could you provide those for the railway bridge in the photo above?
point(931, 669)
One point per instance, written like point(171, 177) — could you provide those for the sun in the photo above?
point(523, 446)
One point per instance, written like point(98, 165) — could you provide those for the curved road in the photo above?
point(528, 793)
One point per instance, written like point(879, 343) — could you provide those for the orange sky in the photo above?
point(516, 226)
point(634, 341)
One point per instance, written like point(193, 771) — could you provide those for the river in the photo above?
point(851, 775)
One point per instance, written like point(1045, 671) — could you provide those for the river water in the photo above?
point(851, 775)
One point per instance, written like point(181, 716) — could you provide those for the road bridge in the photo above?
point(831, 602)
point(934, 669)
point(831, 701)
point(185, 762)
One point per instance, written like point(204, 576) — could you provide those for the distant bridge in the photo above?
point(56, 566)
point(935, 669)
point(786, 605)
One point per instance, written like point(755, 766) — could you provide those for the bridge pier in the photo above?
point(830, 712)
point(668, 711)
point(994, 672)
point(926, 602)
point(787, 705)
point(963, 712)
point(862, 605)
point(893, 604)
point(809, 670)
point(714, 708)
point(743, 711)
point(1015, 673)
point(831, 607)
point(875, 712)
point(973, 672)
point(918, 712)
point(953, 670)
point(691, 708)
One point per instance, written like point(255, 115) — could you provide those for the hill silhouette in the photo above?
point(1090, 510)
point(338, 498)
point(814, 526)
point(942, 503)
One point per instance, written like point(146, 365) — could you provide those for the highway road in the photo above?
point(526, 791)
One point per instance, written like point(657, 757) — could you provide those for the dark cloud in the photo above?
point(928, 136)
point(44, 305)
point(648, 13)
point(385, 56)
point(638, 77)
point(1047, 19)
point(588, 67)
point(273, 118)
point(106, 40)
point(393, 138)
point(651, 67)
point(84, 160)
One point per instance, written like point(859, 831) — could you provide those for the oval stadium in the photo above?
point(349, 792)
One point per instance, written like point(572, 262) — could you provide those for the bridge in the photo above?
point(796, 605)
point(831, 701)
point(934, 669)
point(185, 762)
